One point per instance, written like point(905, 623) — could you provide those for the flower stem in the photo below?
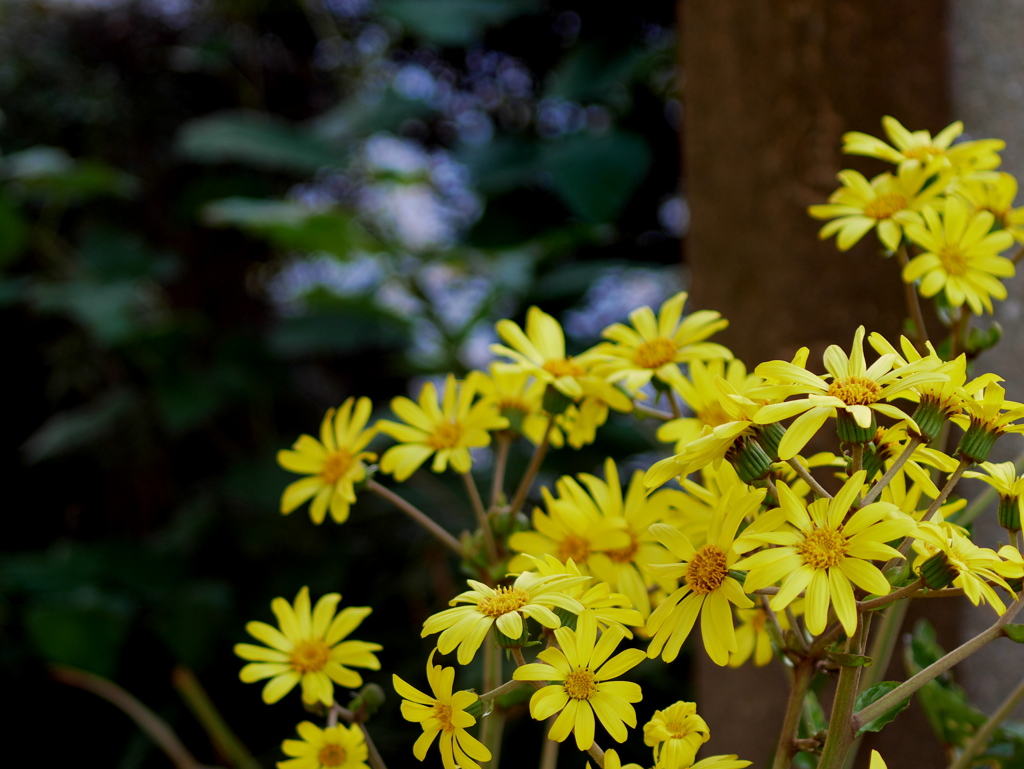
point(894, 595)
point(504, 442)
point(875, 490)
point(802, 675)
point(481, 518)
point(809, 479)
point(417, 515)
point(532, 468)
point(936, 669)
point(913, 304)
point(984, 734)
point(549, 750)
point(841, 728)
point(664, 416)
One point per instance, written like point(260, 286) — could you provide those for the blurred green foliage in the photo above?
point(218, 220)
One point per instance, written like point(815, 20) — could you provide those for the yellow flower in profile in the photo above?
point(612, 761)
point(752, 638)
point(465, 627)
point(995, 193)
point(820, 550)
point(676, 734)
point(336, 747)
point(920, 148)
point(309, 649)
point(333, 464)
point(876, 761)
point(882, 204)
point(583, 669)
point(987, 415)
point(442, 713)
point(708, 590)
point(961, 256)
point(655, 346)
point(446, 429)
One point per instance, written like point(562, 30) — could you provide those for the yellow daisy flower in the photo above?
point(442, 712)
point(995, 193)
point(336, 747)
point(655, 346)
point(583, 669)
point(308, 649)
point(961, 256)
point(854, 396)
point(731, 761)
point(465, 627)
point(947, 556)
point(987, 415)
point(1003, 477)
point(333, 464)
point(860, 206)
point(519, 398)
point(612, 761)
point(752, 636)
point(676, 734)
point(708, 590)
point(920, 148)
point(876, 761)
point(822, 551)
point(447, 429)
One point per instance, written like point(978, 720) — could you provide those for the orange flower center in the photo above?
point(953, 261)
point(310, 656)
point(573, 547)
point(445, 436)
point(625, 554)
point(707, 570)
point(884, 206)
point(580, 684)
point(504, 600)
point(331, 755)
point(336, 466)
point(855, 391)
point(559, 367)
point(823, 548)
point(443, 714)
point(922, 152)
point(655, 353)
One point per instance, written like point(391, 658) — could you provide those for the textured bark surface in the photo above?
point(769, 89)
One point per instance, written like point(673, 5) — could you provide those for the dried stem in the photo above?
point(417, 515)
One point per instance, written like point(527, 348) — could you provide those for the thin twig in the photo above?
point(532, 468)
point(891, 597)
point(901, 460)
point(481, 518)
point(913, 304)
point(809, 479)
point(417, 515)
point(650, 411)
point(504, 442)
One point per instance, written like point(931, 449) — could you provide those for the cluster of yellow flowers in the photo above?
point(773, 560)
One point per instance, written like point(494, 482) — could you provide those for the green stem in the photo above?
point(841, 728)
point(532, 468)
point(984, 734)
point(937, 668)
point(892, 596)
point(481, 518)
point(493, 726)
point(198, 701)
point(498, 691)
point(417, 515)
point(901, 460)
point(375, 758)
point(803, 673)
point(857, 457)
point(664, 416)
point(809, 479)
point(504, 441)
point(913, 304)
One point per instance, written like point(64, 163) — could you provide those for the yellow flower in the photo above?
point(876, 761)
point(822, 551)
point(919, 148)
point(731, 761)
point(752, 636)
point(308, 649)
point(854, 395)
point(336, 746)
point(442, 712)
point(446, 429)
point(860, 206)
point(654, 346)
point(995, 193)
point(333, 464)
point(961, 256)
point(676, 734)
point(585, 687)
point(965, 564)
point(530, 595)
point(987, 415)
point(1003, 477)
point(519, 398)
point(708, 590)
point(612, 761)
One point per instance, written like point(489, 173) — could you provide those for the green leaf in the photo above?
point(850, 660)
point(85, 629)
point(255, 139)
point(874, 693)
point(48, 172)
point(1014, 632)
point(339, 332)
point(455, 23)
point(13, 231)
point(69, 430)
point(597, 174)
point(363, 114)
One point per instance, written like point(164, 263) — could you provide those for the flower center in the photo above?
point(707, 570)
point(336, 466)
point(443, 714)
point(655, 353)
point(953, 261)
point(823, 548)
point(504, 600)
point(573, 547)
point(331, 755)
point(558, 367)
point(625, 554)
point(855, 390)
point(580, 684)
point(310, 656)
point(759, 620)
point(884, 206)
point(922, 152)
point(445, 436)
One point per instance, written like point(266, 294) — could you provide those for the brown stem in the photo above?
point(481, 518)
point(913, 304)
point(417, 515)
point(504, 441)
point(532, 468)
point(802, 675)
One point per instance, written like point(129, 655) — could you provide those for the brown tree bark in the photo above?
point(769, 88)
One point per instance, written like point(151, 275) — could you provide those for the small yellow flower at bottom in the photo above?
point(336, 747)
point(876, 761)
point(731, 761)
point(676, 734)
point(442, 713)
point(308, 649)
point(612, 761)
point(582, 671)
